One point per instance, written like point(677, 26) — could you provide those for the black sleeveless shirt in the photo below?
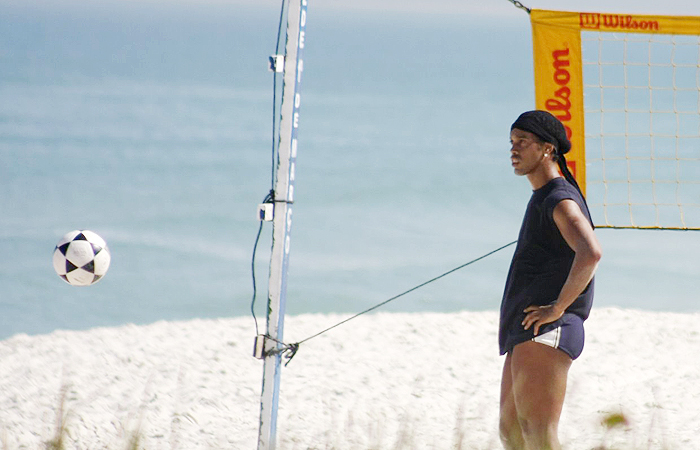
point(540, 265)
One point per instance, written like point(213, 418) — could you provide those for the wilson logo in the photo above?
point(597, 21)
point(559, 102)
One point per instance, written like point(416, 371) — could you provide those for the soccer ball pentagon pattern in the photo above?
point(81, 258)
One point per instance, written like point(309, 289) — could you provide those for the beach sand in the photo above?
point(381, 381)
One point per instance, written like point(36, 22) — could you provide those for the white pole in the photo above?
point(282, 223)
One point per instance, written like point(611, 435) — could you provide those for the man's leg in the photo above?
point(539, 374)
point(511, 434)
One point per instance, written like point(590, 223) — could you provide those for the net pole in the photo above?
point(282, 222)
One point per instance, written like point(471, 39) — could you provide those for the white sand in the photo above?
point(425, 381)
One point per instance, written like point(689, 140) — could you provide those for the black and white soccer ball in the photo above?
point(81, 258)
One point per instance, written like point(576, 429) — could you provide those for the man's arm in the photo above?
point(578, 233)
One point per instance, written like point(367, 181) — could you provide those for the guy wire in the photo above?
point(296, 345)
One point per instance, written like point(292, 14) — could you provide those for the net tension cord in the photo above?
point(289, 350)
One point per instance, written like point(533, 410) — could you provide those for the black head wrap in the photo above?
point(546, 127)
point(549, 129)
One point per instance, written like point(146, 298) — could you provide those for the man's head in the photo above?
point(546, 127)
point(537, 137)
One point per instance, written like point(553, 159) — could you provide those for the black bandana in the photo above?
point(546, 127)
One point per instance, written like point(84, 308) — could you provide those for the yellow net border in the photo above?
point(645, 172)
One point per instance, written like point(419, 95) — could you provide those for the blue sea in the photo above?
point(153, 127)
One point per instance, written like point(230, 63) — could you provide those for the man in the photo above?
point(549, 289)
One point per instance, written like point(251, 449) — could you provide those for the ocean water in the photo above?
point(153, 128)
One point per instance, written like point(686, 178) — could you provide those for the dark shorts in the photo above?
point(567, 337)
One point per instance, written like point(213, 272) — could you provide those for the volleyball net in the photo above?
point(627, 89)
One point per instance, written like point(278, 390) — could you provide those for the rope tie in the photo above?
point(286, 350)
point(520, 5)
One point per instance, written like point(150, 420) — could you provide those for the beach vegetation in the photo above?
point(57, 442)
point(611, 424)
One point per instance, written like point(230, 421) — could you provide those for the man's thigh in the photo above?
point(539, 374)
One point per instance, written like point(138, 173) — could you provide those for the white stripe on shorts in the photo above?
point(550, 338)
